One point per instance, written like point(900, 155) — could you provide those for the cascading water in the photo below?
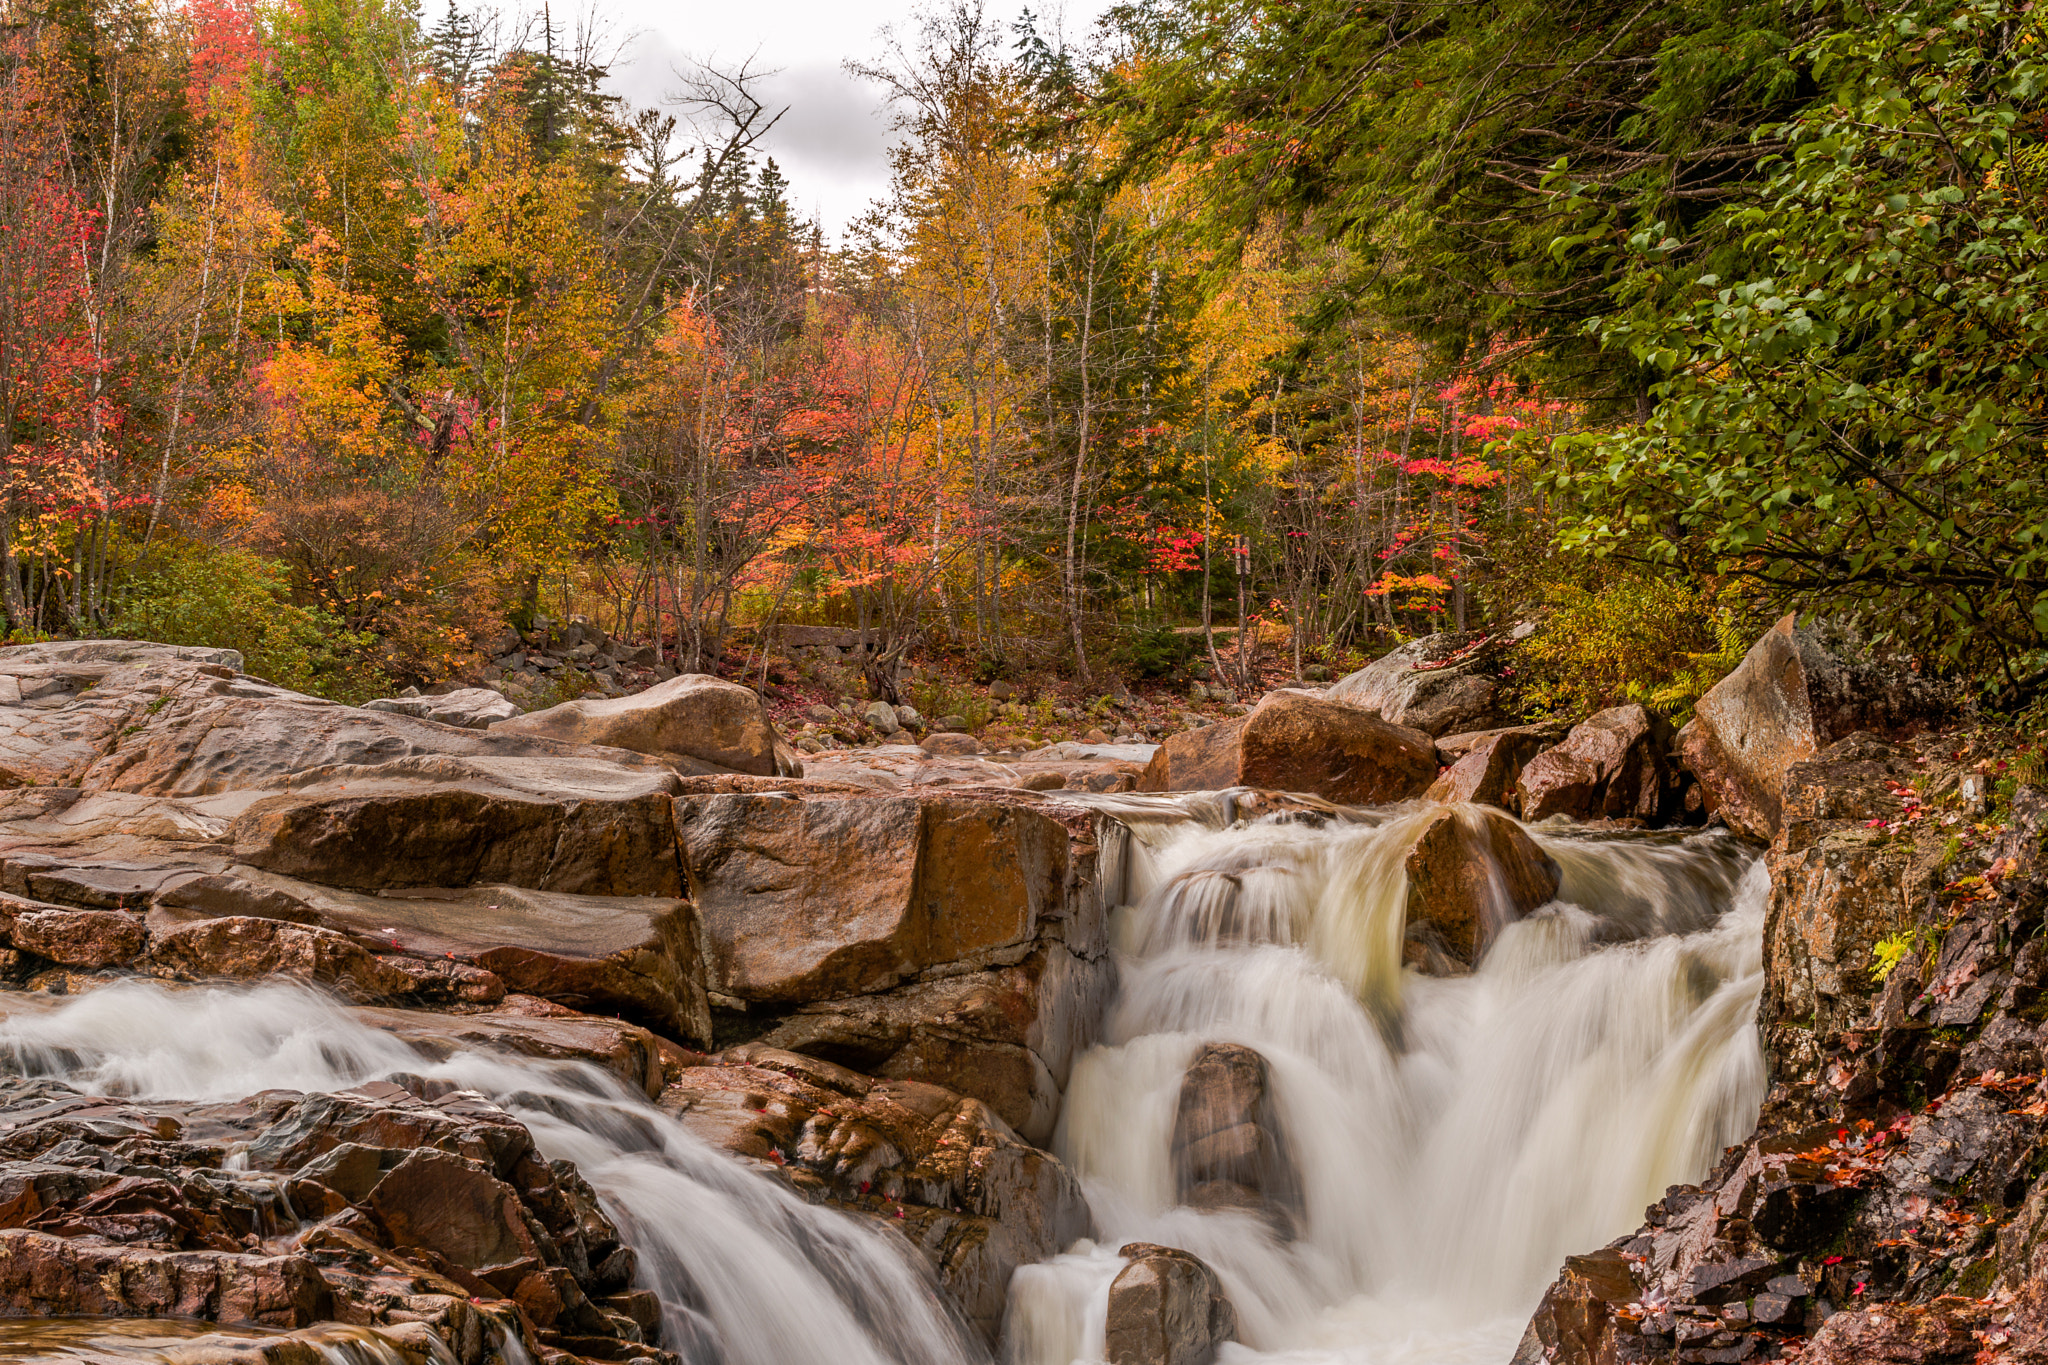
point(1448, 1141)
point(747, 1273)
point(1451, 1139)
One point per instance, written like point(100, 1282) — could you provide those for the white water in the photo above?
point(748, 1274)
point(1455, 1138)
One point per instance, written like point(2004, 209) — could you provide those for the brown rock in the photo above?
point(1487, 769)
point(1471, 874)
point(46, 1276)
point(942, 1170)
point(554, 825)
point(1166, 1308)
point(1575, 1321)
point(244, 949)
point(456, 1209)
point(76, 938)
point(1296, 742)
point(1790, 697)
point(695, 722)
point(946, 745)
point(1228, 1148)
point(1612, 766)
point(808, 898)
point(633, 1054)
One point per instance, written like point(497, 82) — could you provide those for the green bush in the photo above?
point(1631, 638)
point(1156, 652)
point(231, 599)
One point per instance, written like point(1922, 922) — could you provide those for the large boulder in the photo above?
point(815, 897)
point(470, 708)
point(1298, 742)
point(1165, 1308)
point(1007, 1036)
point(695, 722)
point(1487, 765)
point(1471, 873)
point(1426, 686)
point(1790, 697)
point(634, 957)
point(1229, 1149)
point(941, 1169)
point(1612, 766)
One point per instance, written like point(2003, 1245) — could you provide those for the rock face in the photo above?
point(1165, 1308)
point(1297, 742)
point(696, 722)
point(930, 937)
point(1890, 1205)
point(1611, 767)
point(1425, 686)
point(552, 897)
point(1471, 874)
point(1229, 1149)
point(1790, 698)
point(382, 1208)
point(942, 1169)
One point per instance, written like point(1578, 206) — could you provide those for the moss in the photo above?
point(1975, 1282)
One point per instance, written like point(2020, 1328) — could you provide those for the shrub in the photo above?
point(231, 599)
point(1630, 638)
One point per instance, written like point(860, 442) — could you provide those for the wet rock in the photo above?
point(943, 1170)
point(809, 898)
point(469, 708)
point(1791, 697)
point(695, 722)
point(1229, 1150)
point(1419, 686)
point(633, 1054)
point(1471, 873)
point(1007, 1036)
point(47, 1276)
point(247, 949)
point(1165, 1308)
point(73, 938)
point(1486, 766)
point(1297, 742)
point(1576, 1322)
point(1611, 766)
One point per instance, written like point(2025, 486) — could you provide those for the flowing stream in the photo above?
point(1452, 1139)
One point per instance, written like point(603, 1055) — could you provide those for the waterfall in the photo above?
point(1447, 1140)
point(1453, 1139)
point(747, 1273)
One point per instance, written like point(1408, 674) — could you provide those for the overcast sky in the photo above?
point(831, 143)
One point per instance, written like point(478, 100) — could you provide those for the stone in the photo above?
point(631, 957)
point(1001, 691)
point(1612, 766)
point(1293, 741)
point(246, 949)
point(1486, 766)
point(1165, 1308)
point(456, 1209)
point(939, 1169)
point(806, 898)
point(470, 708)
point(956, 725)
point(633, 1054)
point(695, 722)
point(1229, 1151)
point(1790, 697)
point(552, 824)
point(1007, 1036)
point(1470, 875)
point(87, 939)
point(1414, 686)
point(951, 744)
point(907, 718)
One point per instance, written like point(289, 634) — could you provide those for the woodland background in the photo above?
point(348, 334)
